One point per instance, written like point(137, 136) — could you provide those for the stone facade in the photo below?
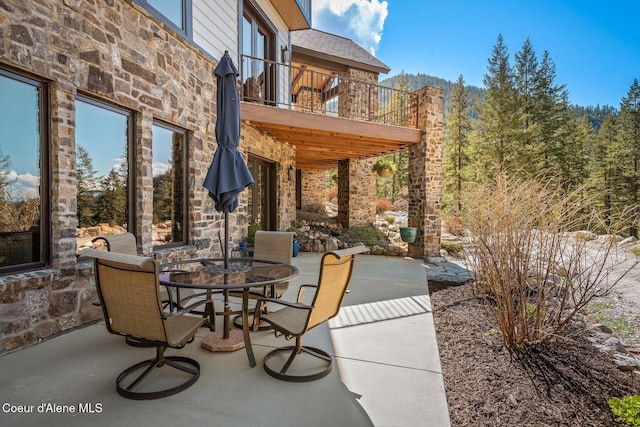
point(115, 52)
point(425, 175)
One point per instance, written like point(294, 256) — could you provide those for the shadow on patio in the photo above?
point(386, 369)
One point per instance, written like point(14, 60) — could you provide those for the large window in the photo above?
point(262, 193)
point(258, 42)
point(24, 186)
point(103, 159)
point(175, 13)
point(169, 184)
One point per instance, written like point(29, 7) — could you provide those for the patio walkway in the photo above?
point(386, 370)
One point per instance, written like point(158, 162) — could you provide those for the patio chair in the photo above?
point(129, 291)
point(125, 243)
point(269, 246)
point(295, 319)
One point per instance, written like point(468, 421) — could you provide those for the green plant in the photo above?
point(366, 234)
point(451, 247)
point(390, 220)
point(626, 410)
point(251, 233)
point(295, 227)
point(381, 165)
point(636, 252)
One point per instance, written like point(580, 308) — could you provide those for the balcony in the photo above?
point(327, 116)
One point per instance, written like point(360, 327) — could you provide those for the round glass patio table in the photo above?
point(239, 274)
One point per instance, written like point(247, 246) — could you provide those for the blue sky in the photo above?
point(594, 44)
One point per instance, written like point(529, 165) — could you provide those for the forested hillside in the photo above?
point(522, 125)
point(595, 114)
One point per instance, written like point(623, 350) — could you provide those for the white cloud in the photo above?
point(23, 186)
point(159, 168)
point(359, 20)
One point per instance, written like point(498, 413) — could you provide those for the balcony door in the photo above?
point(262, 193)
point(258, 43)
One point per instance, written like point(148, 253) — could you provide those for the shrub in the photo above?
point(331, 194)
point(367, 234)
point(383, 205)
point(455, 226)
point(534, 277)
point(451, 247)
point(381, 165)
point(251, 233)
point(626, 410)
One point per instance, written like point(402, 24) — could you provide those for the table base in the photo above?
point(215, 342)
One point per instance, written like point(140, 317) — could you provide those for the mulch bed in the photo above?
point(488, 385)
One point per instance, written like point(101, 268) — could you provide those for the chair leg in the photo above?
point(282, 374)
point(185, 364)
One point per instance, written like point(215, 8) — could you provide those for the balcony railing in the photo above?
point(302, 89)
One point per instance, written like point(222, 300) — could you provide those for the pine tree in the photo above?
point(602, 164)
point(629, 153)
point(86, 186)
point(456, 156)
point(498, 115)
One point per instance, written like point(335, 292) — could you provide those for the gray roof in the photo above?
point(336, 49)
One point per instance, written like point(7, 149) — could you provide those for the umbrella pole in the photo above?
point(226, 241)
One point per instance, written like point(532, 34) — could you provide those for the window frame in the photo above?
point(186, 27)
point(131, 154)
point(260, 23)
point(44, 116)
point(185, 181)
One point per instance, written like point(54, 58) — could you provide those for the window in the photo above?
point(175, 13)
point(169, 184)
point(24, 187)
point(258, 42)
point(104, 176)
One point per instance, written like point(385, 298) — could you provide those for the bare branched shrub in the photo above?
point(533, 266)
point(20, 214)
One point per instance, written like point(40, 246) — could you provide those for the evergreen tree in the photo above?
point(162, 196)
point(456, 146)
point(629, 153)
point(86, 186)
point(111, 204)
point(602, 164)
point(498, 116)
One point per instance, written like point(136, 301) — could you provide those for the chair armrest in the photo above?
point(183, 310)
point(301, 290)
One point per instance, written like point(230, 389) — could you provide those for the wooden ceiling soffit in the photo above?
point(321, 140)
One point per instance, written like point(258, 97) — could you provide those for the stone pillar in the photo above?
point(144, 180)
point(356, 192)
point(357, 99)
point(64, 220)
point(425, 175)
point(313, 189)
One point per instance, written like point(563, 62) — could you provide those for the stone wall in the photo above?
point(115, 52)
point(284, 155)
point(425, 175)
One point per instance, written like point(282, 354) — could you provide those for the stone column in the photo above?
point(144, 180)
point(313, 189)
point(425, 175)
point(358, 100)
point(356, 192)
point(64, 204)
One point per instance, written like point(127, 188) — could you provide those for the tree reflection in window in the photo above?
point(169, 171)
point(102, 165)
point(21, 221)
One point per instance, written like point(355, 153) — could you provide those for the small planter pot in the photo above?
point(408, 234)
point(384, 172)
point(296, 248)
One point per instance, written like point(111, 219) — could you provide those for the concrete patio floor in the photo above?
point(386, 368)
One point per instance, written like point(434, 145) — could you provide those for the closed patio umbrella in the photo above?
point(228, 174)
